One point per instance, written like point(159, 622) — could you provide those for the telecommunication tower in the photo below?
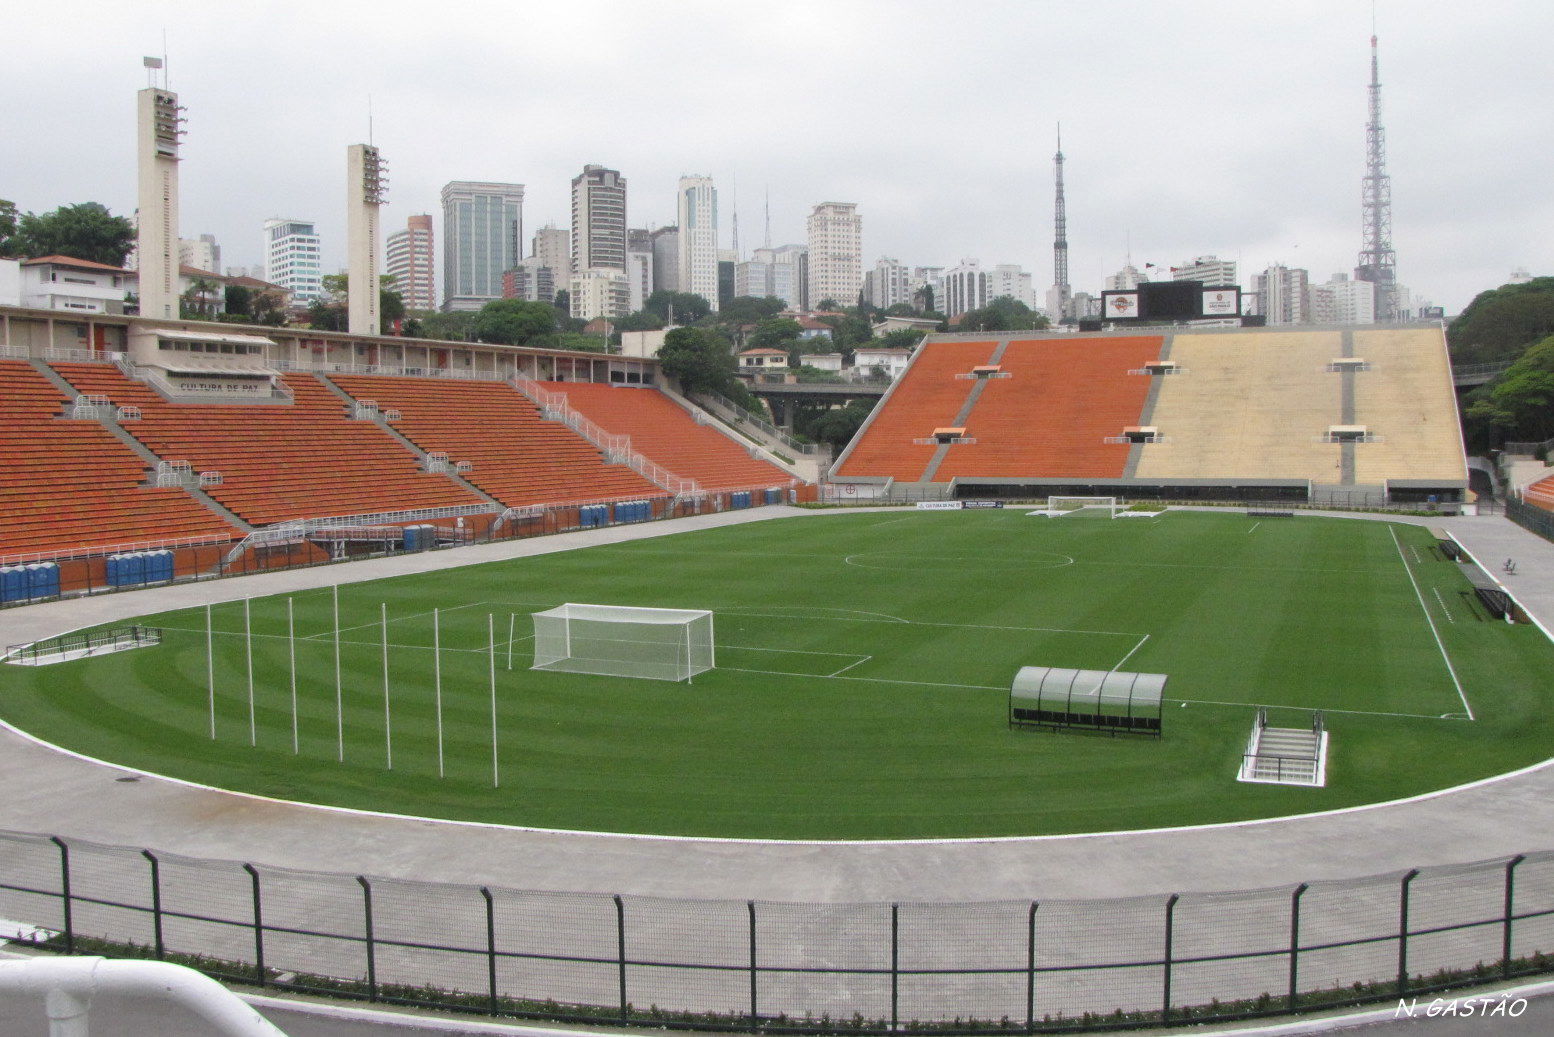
point(1060, 300)
point(1378, 262)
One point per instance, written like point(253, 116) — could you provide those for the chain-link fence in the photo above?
point(1016, 966)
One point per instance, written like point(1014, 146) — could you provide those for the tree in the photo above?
point(198, 301)
point(775, 333)
point(85, 231)
point(834, 426)
point(1517, 405)
point(9, 245)
point(245, 305)
point(699, 359)
point(848, 330)
point(332, 312)
point(641, 320)
point(513, 321)
point(1005, 313)
point(678, 307)
point(447, 327)
point(1499, 324)
point(901, 338)
point(748, 309)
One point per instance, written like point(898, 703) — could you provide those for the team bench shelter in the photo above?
point(1113, 701)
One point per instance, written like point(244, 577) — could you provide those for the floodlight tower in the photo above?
point(1378, 262)
point(159, 127)
point(1060, 298)
point(365, 188)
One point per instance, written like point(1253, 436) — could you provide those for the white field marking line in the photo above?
point(848, 560)
point(1414, 548)
point(374, 644)
point(1444, 610)
point(1254, 527)
point(867, 680)
point(1314, 709)
point(796, 613)
point(1234, 568)
point(392, 619)
point(1125, 658)
point(849, 666)
point(955, 626)
point(791, 651)
point(1430, 620)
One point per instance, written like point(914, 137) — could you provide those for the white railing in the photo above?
point(404, 371)
point(91, 407)
point(365, 410)
point(731, 413)
point(10, 352)
point(129, 412)
point(80, 356)
point(301, 529)
point(93, 551)
point(174, 474)
point(616, 448)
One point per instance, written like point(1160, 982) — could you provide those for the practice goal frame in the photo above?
point(1059, 506)
point(624, 641)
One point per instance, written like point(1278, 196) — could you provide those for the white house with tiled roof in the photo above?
point(77, 285)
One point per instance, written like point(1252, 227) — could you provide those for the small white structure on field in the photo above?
point(624, 641)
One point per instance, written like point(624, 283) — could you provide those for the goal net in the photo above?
point(1092, 507)
point(623, 641)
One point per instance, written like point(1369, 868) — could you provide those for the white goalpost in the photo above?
point(624, 641)
point(1090, 507)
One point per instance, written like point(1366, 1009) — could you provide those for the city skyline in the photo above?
point(1265, 168)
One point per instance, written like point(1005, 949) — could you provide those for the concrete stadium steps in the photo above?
point(1286, 756)
point(927, 396)
point(1051, 417)
point(1247, 406)
point(278, 461)
point(1407, 400)
point(518, 457)
point(70, 484)
point(666, 434)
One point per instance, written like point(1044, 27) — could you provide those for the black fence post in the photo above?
point(750, 906)
point(156, 900)
point(1408, 880)
point(1510, 913)
point(372, 950)
point(485, 892)
point(895, 966)
point(253, 876)
point(1170, 933)
point(64, 889)
point(620, 948)
point(1300, 891)
point(1030, 969)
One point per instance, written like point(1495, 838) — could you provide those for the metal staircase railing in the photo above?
point(616, 449)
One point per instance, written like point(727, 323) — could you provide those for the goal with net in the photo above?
point(1091, 507)
point(624, 641)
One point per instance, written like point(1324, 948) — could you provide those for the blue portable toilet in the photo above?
point(13, 583)
point(43, 580)
point(774, 496)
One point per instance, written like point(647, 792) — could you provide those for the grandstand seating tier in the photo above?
point(517, 456)
point(72, 485)
point(1406, 400)
point(279, 461)
point(666, 434)
point(1052, 416)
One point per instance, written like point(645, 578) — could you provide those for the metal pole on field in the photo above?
point(339, 697)
point(388, 718)
point(496, 773)
point(437, 681)
point(512, 621)
point(248, 646)
point(291, 648)
point(210, 672)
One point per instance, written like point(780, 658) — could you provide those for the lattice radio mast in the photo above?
point(1062, 291)
point(1378, 262)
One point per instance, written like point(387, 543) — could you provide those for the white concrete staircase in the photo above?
point(1286, 755)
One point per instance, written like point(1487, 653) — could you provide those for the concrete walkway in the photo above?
point(50, 792)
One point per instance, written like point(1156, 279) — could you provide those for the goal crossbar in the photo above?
point(624, 641)
point(1058, 506)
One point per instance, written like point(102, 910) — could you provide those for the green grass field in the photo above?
point(861, 688)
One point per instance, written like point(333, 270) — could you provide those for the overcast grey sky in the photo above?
point(1234, 127)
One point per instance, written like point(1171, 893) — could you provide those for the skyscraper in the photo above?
point(888, 284)
point(1378, 262)
point(835, 253)
point(598, 220)
point(1283, 294)
point(666, 259)
point(697, 208)
point(411, 263)
point(552, 246)
point(482, 234)
point(292, 257)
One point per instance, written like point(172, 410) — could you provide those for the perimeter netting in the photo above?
point(624, 641)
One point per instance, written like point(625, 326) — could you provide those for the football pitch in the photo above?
point(861, 685)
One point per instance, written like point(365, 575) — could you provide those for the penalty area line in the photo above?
point(1419, 595)
point(1125, 658)
point(868, 680)
point(1320, 709)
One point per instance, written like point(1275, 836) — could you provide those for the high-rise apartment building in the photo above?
point(202, 253)
point(598, 220)
point(482, 238)
point(773, 272)
point(292, 258)
point(1208, 269)
point(600, 292)
point(639, 267)
point(412, 258)
point(697, 210)
point(965, 288)
point(927, 288)
point(1125, 280)
point(666, 259)
point(552, 246)
point(1010, 279)
point(1343, 301)
point(1283, 294)
point(835, 254)
point(888, 284)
